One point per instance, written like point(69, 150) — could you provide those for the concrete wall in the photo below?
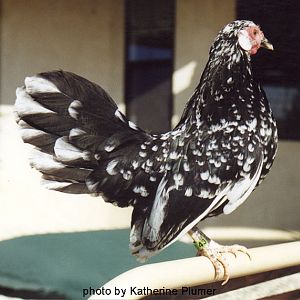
point(82, 36)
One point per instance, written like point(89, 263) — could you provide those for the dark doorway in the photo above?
point(149, 63)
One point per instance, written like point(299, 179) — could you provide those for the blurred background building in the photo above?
point(149, 56)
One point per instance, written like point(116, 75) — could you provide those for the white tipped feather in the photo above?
point(44, 162)
point(66, 152)
point(132, 125)
point(76, 132)
point(204, 175)
point(119, 115)
point(73, 109)
point(92, 185)
point(54, 185)
point(28, 132)
point(31, 133)
point(39, 85)
point(25, 105)
point(110, 169)
point(109, 148)
point(188, 192)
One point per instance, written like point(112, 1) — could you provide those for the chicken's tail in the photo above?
point(74, 125)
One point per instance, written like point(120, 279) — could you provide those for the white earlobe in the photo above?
point(244, 40)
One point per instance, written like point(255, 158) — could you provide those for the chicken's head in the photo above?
point(251, 38)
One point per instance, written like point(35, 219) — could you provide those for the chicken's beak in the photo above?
point(266, 44)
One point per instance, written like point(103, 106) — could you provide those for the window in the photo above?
point(279, 72)
point(149, 63)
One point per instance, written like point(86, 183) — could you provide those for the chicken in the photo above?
point(221, 149)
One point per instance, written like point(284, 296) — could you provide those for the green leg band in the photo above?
point(200, 245)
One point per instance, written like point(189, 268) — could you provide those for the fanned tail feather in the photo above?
point(70, 121)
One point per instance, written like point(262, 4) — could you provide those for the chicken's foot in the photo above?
point(215, 253)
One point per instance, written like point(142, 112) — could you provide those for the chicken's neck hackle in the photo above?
point(227, 91)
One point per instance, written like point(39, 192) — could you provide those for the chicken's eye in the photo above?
point(255, 32)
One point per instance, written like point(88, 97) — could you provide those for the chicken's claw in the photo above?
point(215, 253)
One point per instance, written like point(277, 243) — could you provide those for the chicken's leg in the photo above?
point(214, 252)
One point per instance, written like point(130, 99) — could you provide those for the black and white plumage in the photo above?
point(222, 148)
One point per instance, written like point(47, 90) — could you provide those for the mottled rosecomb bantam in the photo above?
point(222, 148)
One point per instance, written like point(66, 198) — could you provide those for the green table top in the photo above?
point(67, 263)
